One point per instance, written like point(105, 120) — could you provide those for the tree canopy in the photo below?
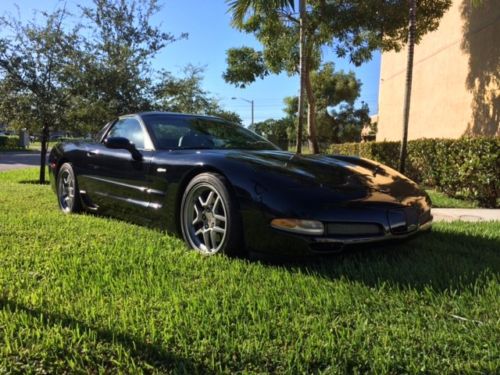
point(339, 118)
point(77, 72)
point(98, 69)
point(35, 61)
point(351, 29)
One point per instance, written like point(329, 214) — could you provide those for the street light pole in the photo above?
point(248, 101)
point(251, 102)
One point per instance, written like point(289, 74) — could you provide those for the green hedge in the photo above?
point(9, 142)
point(467, 168)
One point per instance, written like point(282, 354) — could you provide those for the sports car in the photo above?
point(226, 189)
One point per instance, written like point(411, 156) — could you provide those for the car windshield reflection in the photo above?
point(188, 133)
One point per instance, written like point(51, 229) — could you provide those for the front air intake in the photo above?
point(353, 229)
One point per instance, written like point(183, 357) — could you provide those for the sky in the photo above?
point(210, 35)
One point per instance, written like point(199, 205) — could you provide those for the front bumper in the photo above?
point(260, 237)
point(335, 244)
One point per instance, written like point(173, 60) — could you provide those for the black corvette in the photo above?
point(226, 189)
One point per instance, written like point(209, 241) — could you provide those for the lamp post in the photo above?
point(248, 101)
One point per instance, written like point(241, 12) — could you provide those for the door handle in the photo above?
point(91, 154)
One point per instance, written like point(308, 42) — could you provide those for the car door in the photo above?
point(116, 183)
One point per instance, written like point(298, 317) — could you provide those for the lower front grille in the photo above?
point(353, 229)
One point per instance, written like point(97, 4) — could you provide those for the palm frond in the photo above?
point(240, 8)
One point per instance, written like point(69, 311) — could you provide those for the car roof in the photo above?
point(175, 114)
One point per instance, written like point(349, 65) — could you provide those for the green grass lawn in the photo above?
point(90, 294)
point(441, 200)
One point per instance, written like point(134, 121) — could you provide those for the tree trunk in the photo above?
point(43, 153)
point(409, 78)
point(311, 114)
point(302, 52)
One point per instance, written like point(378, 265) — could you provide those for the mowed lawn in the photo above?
point(441, 200)
point(89, 294)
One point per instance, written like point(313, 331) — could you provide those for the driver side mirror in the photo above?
point(121, 143)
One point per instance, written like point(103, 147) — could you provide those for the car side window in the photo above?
point(129, 128)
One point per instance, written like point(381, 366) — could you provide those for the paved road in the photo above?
point(21, 159)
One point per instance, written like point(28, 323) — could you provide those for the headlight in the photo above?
point(299, 226)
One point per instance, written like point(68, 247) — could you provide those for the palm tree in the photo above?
point(239, 9)
point(409, 78)
point(302, 64)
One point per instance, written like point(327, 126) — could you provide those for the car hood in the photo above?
point(342, 174)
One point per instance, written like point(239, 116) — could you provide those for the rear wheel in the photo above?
point(68, 195)
point(210, 220)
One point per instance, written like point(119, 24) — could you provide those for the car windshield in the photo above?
point(191, 132)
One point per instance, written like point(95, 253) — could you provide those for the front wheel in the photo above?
point(68, 195)
point(210, 220)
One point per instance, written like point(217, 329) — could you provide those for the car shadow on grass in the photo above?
point(142, 352)
point(33, 182)
point(439, 260)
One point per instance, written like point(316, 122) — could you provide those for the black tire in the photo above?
point(68, 195)
point(209, 217)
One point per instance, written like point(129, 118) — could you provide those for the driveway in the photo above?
point(18, 159)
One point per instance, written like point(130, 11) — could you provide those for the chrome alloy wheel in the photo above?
point(205, 219)
point(66, 190)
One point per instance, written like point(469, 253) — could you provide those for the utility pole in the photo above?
point(252, 103)
point(409, 79)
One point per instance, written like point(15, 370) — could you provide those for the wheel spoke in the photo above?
point(213, 238)
point(206, 240)
point(220, 218)
point(210, 198)
point(218, 230)
point(197, 212)
point(200, 200)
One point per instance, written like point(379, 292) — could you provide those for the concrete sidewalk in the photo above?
point(465, 214)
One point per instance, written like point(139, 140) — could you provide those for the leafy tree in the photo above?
point(338, 118)
point(114, 73)
point(350, 28)
point(332, 88)
point(275, 131)
point(34, 60)
point(291, 110)
point(186, 94)
point(343, 124)
point(226, 115)
point(244, 66)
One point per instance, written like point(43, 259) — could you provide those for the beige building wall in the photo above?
point(456, 78)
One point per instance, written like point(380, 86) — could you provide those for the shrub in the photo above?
point(9, 142)
point(467, 168)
